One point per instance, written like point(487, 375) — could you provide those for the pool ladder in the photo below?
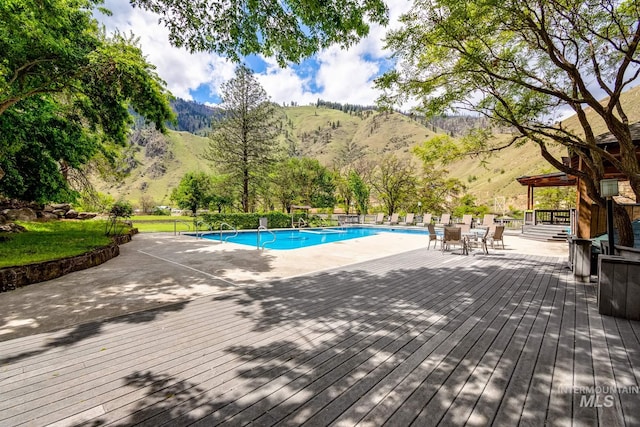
point(222, 224)
point(210, 227)
point(263, 228)
point(198, 224)
point(175, 226)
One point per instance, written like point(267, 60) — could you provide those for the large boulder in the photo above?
point(86, 215)
point(48, 216)
point(22, 214)
point(12, 228)
point(64, 206)
point(71, 214)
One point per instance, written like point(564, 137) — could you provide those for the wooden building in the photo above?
point(590, 218)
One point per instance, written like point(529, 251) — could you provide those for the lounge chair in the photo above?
point(452, 236)
point(433, 237)
point(393, 220)
point(408, 220)
point(488, 219)
point(467, 219)
point(426, 220)
point(379, 218)
point(445, 219)
point(497, 235)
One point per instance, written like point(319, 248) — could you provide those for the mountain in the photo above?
point(334, 134)
point(496, 179)
point(155, 162)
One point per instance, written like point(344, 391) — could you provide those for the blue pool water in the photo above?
point(295, 239)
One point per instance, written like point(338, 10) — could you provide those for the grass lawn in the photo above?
point(160, 218)
point(46, 241)
point(156, 223)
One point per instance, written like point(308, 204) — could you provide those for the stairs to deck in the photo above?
point(546, 233)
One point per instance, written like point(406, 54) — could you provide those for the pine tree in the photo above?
point(244, 144)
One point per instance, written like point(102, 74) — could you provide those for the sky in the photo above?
point(336, 75)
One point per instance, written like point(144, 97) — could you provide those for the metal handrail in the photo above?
point(175, 226)
point(263, 228)
point(231, 228)
point(200, 223)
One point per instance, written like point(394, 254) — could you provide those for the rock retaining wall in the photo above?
point(16, 277)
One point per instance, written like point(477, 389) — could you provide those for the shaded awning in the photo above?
point(555, 179)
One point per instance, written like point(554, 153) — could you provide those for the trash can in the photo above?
point(582, 259)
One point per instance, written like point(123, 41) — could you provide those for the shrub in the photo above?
point(160, 212)
point(120, 210)
point(245, 221)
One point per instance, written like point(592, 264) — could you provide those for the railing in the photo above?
point(175, 226)
point(198, 224)
point(511, 224)
point(549, 216)
point(263, 228)
point(222, 224)
point(348, 219)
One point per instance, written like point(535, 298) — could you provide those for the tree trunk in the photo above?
point(622, 223)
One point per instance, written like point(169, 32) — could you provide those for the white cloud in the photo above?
point(283, 85)
point(345, 76)
point(181, 70)
point(342, 75)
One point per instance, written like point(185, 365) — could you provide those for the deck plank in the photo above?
point(380, 403)
point(421, 338)
point(434, 376)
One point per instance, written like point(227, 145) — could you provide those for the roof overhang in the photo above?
point(555, 179)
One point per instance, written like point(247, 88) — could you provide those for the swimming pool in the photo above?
point(296, 239)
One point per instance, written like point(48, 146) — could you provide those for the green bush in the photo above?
point(119, 211)
point(247, 221)
point(160, 212)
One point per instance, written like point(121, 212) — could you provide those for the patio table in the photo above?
point(474, 234)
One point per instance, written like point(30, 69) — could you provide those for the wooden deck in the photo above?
point(417, 339)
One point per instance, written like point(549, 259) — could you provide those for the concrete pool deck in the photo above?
point(159, 269)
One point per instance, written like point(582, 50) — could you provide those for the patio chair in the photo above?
point(379, 218)
point(453, 236)
point(467, 219)
point(480, 241)
point(408, 220)
point(393, 220)
point(465, 228)
point(426, 220)
point(445, 219)
point(433, 237)
point(497, 235)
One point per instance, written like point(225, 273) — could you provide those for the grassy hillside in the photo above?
point(329, 135)
point(497, 177)
point(335, 137)
point(156, 176)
